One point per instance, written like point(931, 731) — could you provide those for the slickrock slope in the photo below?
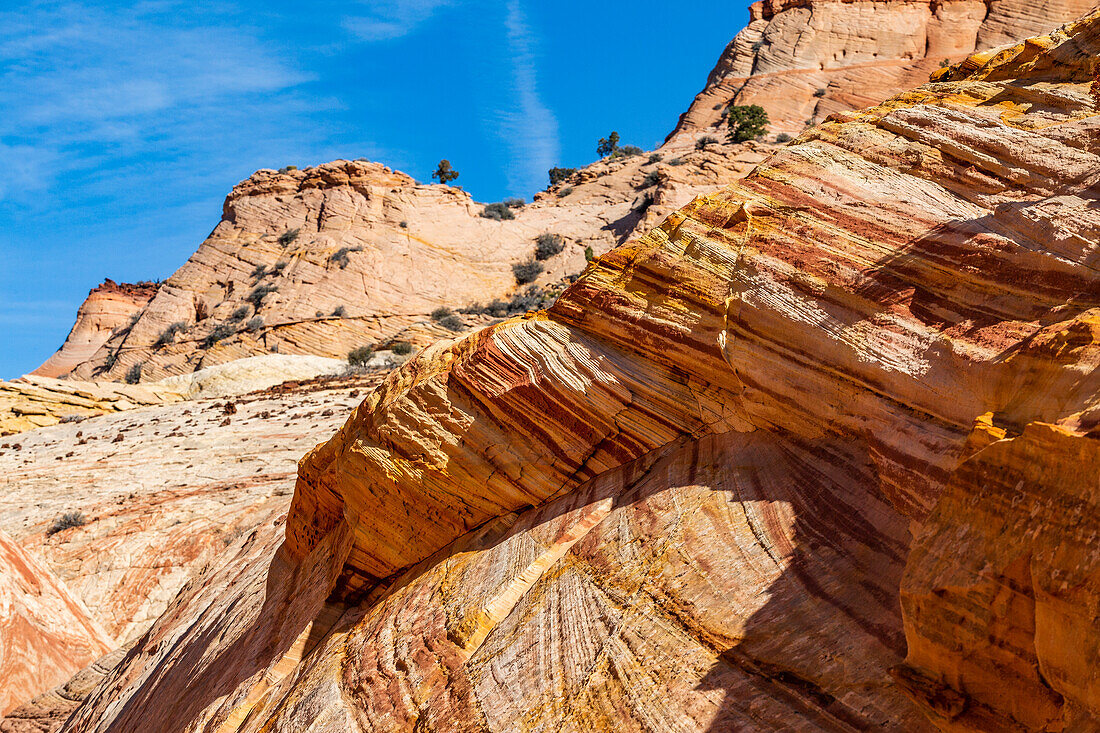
point(817, 453)
point(45, 633)
point(108, 308)
point(803, 60)
point(323, 260)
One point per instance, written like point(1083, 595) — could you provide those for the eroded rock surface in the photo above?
point(803, 60)
point(730, 431)
point(46, 633)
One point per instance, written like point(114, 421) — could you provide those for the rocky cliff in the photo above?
point(323, 260)
point(816, 453)
point(109, 308)
point(803, 60)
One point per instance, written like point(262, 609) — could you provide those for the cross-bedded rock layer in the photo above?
point(685, 498)
point(803, 60)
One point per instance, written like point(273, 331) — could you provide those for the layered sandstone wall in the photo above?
point(803, 60)
point(754, 470)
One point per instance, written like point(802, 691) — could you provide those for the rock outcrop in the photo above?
point(45, 633)
point(33, 402)
point(817, 453)
point(803, 60)
point(109, 308)
point(323, 260)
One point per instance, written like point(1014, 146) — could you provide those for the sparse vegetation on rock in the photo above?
point(401, 348)
point(655, 158)
point(66, 521)
point(255, 323)
point(557, 175)
point(515, 203)
point(547, 245)
point(168, 335)
point(608, 145)
point(704, 142)
point(219, 332)
point(526, 272)
point(340, 256)
point(258, 293)
point(239, 314)
point(452, 323)
point(360, 356)
point(133, 374)
point(288, 236)
point(746, 122)
point(651, 179)
point(497, 211)
point(340, 311)
point(440, 313)
point(444, 173)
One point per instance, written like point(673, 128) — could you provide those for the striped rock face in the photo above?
point(817, 453)
point(803, 60)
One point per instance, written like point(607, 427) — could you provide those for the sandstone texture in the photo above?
point(46, 634)
point(803, 60)
point(819, 452)
point(323, 260)
point(109, 308)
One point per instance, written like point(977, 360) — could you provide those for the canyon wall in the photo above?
point(816, 453)
point(803, 60)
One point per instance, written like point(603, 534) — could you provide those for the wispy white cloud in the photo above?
point(389, 19)
point(531, 130)
point(84, 86)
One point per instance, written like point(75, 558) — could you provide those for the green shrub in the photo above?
point(444, 173)
point(219, 332)
point(133, 375)
point(441, 312)
point(340, 256)
point(109, 361)
point(531, 299)
point(945, 63)
point(168, 335)
point(288, 168)
point(651, 179)
point(782, 138)
point(497, 211)
point(515, 203)
point(360, 356)
point(589, 255)
point(256, 297)
point(240, 314)
point(401, 348)
point(608, 145)
point(340, 311)
point(677, 161)
point(404, 225)
point(525, 272)
point(547, 245)
point(819, 92)
point(746, 122)
point(627, 151)
point(656, 158)
point(65, 521)
point(706, 140)
point(288, 236)
point(452, 323)
point(255, 323)
point(565, 192)
point(497, 308)
point(557, 175)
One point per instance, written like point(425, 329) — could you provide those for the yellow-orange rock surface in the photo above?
point(803, 60)
point(817, 453)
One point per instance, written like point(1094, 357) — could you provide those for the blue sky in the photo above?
point(124, 125)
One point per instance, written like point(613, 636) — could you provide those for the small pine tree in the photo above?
point(444, 173)
point(608, 145)
point(746, 122)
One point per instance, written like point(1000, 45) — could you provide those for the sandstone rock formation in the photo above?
point(33, 402)
point(45, 633)
point(817, 453)
point(803, 60)
point(326, 259)
point(108, 308)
